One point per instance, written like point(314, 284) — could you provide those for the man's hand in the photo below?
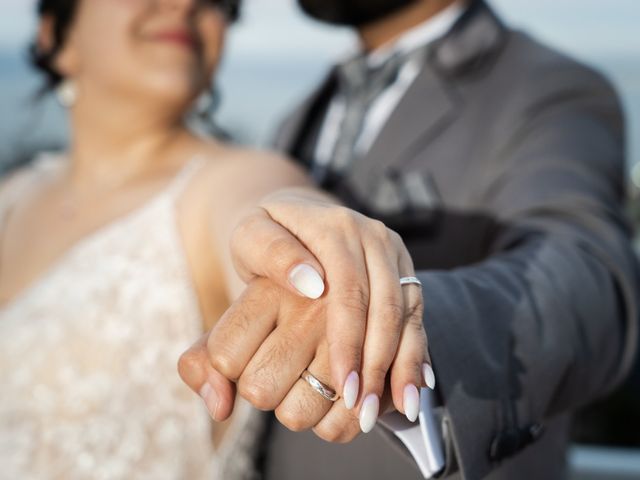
point(340, 271)
point(358, 261)
point(263, 343)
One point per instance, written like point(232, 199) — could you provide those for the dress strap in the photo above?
point(184, 176)
point(16, 184)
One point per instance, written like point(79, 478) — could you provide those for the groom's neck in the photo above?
point(377, 34)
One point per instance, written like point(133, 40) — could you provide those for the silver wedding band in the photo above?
point(410, 281)
point(325, 390)
point(319, 387)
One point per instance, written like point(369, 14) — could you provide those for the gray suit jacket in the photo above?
point(502, 168)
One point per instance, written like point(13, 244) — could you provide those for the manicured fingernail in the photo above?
point(429, 376)
point(210, 398)
point(411, 402)
point(369, 413)
point(307, 281)
point(350, 391)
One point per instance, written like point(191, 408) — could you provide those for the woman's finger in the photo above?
point(415, 305)
point(261, 247)
point(384, 326)
point(347, 307)
point(412, 366)
point(407, 369)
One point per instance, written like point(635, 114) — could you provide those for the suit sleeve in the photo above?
point(548, 321)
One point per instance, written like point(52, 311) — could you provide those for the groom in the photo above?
point(500, 162)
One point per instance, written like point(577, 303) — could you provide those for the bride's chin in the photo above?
point(169, 94)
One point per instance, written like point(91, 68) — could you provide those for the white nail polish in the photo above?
point(369, 413)
point(307, 281)
point(210, 398)
point(350, 391)
point(411, 402)
point(429, 376)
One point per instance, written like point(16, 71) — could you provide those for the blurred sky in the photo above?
point(597, 26)
point(275, 56)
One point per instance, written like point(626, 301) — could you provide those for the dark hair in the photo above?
point(62, 13)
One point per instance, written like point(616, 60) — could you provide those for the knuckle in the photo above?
point(246, 225)
point(376, 374)
point(380, 230)
point(350, 431)
point(328, 432)
point(296, 333)
point(354, 299)
point(342, 213)
point(279, 248)
point(352, 351)
point(395, 237)
point(338, 431)
point(224, 362)
point(260, 293)
point(293, 419)
point(414, 313)
point(188, 363)
point(248, 228)
point(344, 217)
point(350, 436)
point(257, 394)
point(393, 310)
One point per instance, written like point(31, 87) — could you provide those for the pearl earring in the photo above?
point(67, 93)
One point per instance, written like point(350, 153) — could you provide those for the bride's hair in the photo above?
point(62, 12)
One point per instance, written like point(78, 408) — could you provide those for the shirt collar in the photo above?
point(418, 36)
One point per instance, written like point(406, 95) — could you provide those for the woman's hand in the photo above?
point(308, 245)
point(362, 262)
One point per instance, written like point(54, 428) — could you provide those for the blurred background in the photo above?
point(274, 58)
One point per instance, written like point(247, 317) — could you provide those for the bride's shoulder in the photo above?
point(234, 159)
point(17, 180)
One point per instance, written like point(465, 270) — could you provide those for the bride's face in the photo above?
point(163, 50)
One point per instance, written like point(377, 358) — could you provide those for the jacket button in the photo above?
point(535, 431)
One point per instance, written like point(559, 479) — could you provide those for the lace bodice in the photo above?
point(88, 382)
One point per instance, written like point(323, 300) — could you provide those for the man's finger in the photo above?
point(384, 326)
point(303, 407)
point(348, 303)
point(238, 334)
point(280, 361)
point(261, 247)
point(217, 392)
point(407, 368)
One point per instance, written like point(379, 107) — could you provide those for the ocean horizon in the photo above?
point(256, 93)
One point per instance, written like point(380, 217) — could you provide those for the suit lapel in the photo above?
point(430, 103)
point(411, 125)
point(424, 111)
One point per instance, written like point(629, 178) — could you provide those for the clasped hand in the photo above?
point(323, 295)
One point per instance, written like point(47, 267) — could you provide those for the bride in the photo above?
point(113, 255)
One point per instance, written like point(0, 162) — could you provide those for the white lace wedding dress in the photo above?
point(88, 382)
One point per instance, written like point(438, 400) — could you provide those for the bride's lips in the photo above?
point(178, 37)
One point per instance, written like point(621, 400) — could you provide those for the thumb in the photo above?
point(217, 392)
point(261, 247)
